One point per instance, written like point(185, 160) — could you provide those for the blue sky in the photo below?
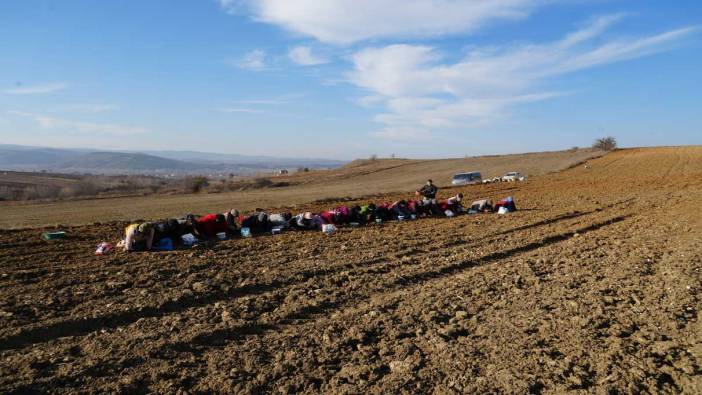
point(347, 79)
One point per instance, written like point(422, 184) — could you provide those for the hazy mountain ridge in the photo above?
point(13, 157)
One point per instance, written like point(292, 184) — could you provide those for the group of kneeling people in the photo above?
point(175, 232)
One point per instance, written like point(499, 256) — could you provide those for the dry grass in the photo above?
point(47, 186)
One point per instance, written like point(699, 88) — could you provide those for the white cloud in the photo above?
point(419, 90)
point(303, 56)
point(403, 133)
point(347, 21)
point(38, 89)
point(80, 126)
point(254, 60)
point(370, 100)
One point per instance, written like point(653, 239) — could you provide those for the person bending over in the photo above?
point(366, 213)
point(209, 225)
point(257, 222)
point(280, 220)
point(307, 221)
point(139, 237)
point(452, 204)
point(383, 212)
point(400, 209)
point(231, 218)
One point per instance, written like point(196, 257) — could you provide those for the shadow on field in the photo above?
point(198, 344)
point(221, 336)
point(79, 327)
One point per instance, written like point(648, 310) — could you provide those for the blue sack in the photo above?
point(165, 244)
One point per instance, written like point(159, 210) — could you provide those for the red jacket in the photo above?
point(208, 227)
point(327, 216)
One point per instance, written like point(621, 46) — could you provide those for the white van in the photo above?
point(513, 176)
point(467, 178)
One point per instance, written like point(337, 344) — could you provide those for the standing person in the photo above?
point(429, 191)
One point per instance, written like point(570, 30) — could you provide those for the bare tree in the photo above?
point(262, 182)
point(195, 184)
point(605, 143)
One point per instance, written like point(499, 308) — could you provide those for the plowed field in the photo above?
point(593, 286)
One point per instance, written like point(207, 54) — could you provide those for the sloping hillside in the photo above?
point(401, 174)
point(19, 157)
point(25, 158)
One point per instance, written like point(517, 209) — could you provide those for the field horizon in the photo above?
point(357, 179)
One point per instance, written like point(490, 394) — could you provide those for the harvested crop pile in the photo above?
point(593, 285)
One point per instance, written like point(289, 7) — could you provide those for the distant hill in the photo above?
point(131, 162)
point(15, 157)
point(22, 158)
point(238, 159)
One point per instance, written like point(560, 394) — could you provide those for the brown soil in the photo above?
point(593, 286)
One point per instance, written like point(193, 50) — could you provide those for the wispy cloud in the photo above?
point(420, 91)
point(49, 122)
point(37, 89)
point(274, 101)
point(90, 108)
point(254, 61)
point(232, 6)
point(262, 101)
point(240, 110)
point(303, 56)
point(347, 21)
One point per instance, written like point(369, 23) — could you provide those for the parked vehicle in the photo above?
point(512, 176)
point(467, 178)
